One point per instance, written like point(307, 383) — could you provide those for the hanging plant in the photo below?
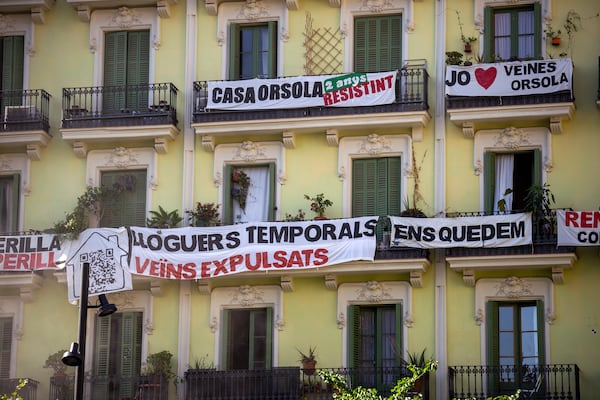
point(240, 187)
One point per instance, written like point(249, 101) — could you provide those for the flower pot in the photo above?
point(308, 367)
point(468, 48)
point(555, 41)
point(320, 218)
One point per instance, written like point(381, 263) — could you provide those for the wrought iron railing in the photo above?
point(544, 238)
point(62, 388)
point(453, 102)
point(118, 387)
point(28, 392)
point(282, 383)
point(99, 106)
point(24, 110)
point(541, 382)
point(411, 95)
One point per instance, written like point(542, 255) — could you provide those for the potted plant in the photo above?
point(454, 58)
point(539, 200)
point(54, 361)
point(467, 40)
point(204, 214)
point(417, 360)
point(163, 219)
point(318, 204)
point(157, 371)
point(308, 360)
point(553, 35)
point(240, 187)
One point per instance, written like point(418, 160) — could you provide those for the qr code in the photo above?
point(103, 269)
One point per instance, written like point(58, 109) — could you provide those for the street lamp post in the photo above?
point(76, 355)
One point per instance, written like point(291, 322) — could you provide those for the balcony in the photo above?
point(109, 114)
point(115, 387)
point(543, 253)
point(284, 383)
point(408, 110)
point(540, 382)
point(24, 120)
point(28, 392)
point(550, 108)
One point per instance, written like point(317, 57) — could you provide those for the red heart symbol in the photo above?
point(485, 77)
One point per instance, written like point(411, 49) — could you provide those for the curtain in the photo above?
point(502, 36)
point(257, 202)
point(526, 34)
point(505, 165)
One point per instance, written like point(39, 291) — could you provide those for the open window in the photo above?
point(253, 50)
point(247, 338)
point(9, 203)
point(249, 193)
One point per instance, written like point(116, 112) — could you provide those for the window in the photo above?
point(375, 344)
point(512, 33)
point(378, 43)
point(376, 186)
point(247, 338)
point(117, 355)
point(129, 208)
point(515, 344)
point(6, 324)
point(126, 64)
point(253, 51)
point(9, 203)
point(249, 192)
point(12, 58)
point(517, 171)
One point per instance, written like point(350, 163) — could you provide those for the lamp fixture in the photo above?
point(72, 358)
point(105, 308)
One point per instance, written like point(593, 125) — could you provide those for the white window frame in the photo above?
point(251, 12)
point(369, 293)
point(513, 289)
point(122, 19)
point(20, 25)
point(250, 153)
point(372, 146)
point(510, 140)
point(246, 297)
point(351, 9)
point(12, 307)
point(11, 164)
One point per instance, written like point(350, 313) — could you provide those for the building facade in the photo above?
point(260, 106)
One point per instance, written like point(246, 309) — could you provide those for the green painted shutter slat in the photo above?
point(381, 187)
point(272, 26)
point(492, 344)
point(488, 35)
point(394, 197)
point(378, 43)
point(138, 65)
point(537, 167)
point(115, 73)
point(5, 346)
point(129, 208)
point(227, 200)
point(360, 44)
point(272, 185)
point(101, 358)
point(489, 178)
point(353, 336)
point(398, 343)
point(225, 339)
point(269, 339)
point(234, 51)
point(12, 65)
point(537, 29)
point(541, 328)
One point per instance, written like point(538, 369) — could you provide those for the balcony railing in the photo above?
point(62, 388)
point(282, 383)
point(29, 392)
point(541, 382)
point(108, 106)
point(117, 387)
point(24, 110)
point(453, 102)
point(544, 240)
point(411, 95)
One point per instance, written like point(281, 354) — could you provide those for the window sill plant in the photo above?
point(318, 204)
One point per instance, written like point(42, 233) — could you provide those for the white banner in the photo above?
point(201, 253)
point(30, 252)
point(106, 250)
point(349, 90)
point(510, 78)
point(486, 231)
point(578, 228)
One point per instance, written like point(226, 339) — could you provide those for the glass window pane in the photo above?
point(507, 344)
point(502, 24)
point(529, 344)
point(526, 22)
point(506, 318)
point(526, 49)
point(529, 318)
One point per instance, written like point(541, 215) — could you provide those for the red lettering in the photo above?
point(205, 270)
point(189, 271)
point(327, 100)
point(234, 261)
point(321, 257)
point(221, 267)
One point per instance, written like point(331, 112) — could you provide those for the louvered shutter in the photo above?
point(492, 350)
point(227, 200)
point(363, 186)
point(354, 356)
point(129, 207)
point(537, 29)
point(537, 167)
point(130, 352)
point(5, 346)
point(377, 43)
point(488, 35)
point(234, 51)
point(12, 65)
point(269, 338)
point(225, 338)
point(115, 71)
point(398, 343)
point(102, 357)
point(138, 65)
point(272, 27)
point(272, 186)
point(489, 180)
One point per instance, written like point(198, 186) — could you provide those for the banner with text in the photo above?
point(510, 78)
point(348, 90)
point(486, 231)
point(200, 253)
point(30, 252)
point(578, 228)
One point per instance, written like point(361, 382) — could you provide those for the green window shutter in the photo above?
point(394, 186)
point(378, 43)
point(269, 338)
point(537, 167)
point(537, 26)
point(492, 349)
point(489, 179)
point(129, 208)
point(398, 343)
point(115, 59)
point(5, 346)
point(12, 65)
point(272, 186)
point(488, 37)
point(234, 51)
point(272, 26)
point(225, 338)
point(353, 336)
point(227, 200)
point(101, 358)
point(138, 65)
point(130, 352)
point(541, 327)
